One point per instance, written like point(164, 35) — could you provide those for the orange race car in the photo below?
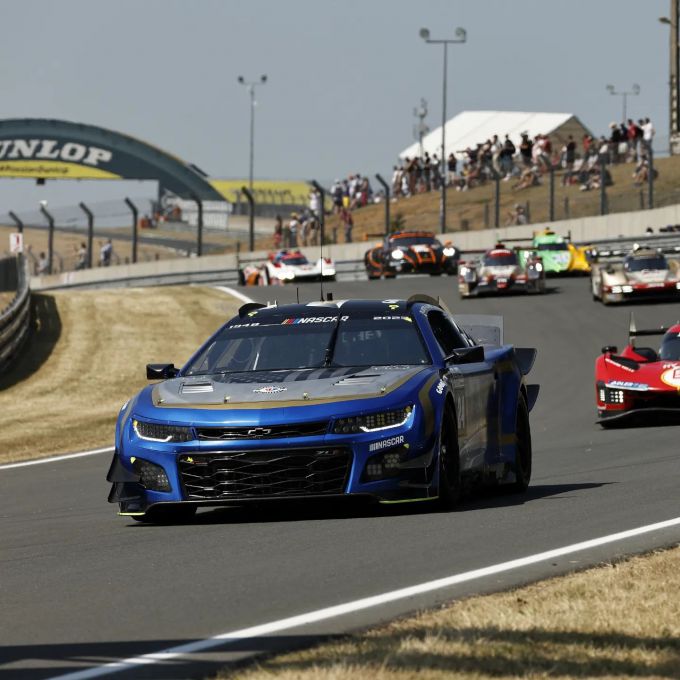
point(411, 252)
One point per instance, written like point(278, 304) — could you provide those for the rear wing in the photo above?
point(482, 328)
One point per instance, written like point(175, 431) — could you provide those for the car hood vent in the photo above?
point(352, 380)
point(196, 388)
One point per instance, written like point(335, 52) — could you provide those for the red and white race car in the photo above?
point(499, 270)
point(639, 383)
point(287, 266)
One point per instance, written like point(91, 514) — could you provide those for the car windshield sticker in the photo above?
point(270, 389)
point(391, 318)
point(312, 319)
point(385, 443)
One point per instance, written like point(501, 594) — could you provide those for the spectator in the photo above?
point(315, 202)
point(347, 223)
point(526, 148)
point(634, 139)
point(505, 158)
point(293, 227)
point(451, 165)
point(43, 265)
point(106, 253)
point(278, 232)
point(336, 195)
point(81, 261)
point(648, 132)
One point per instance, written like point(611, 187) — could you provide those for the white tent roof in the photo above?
point(470, 128)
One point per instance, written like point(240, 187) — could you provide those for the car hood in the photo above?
point(267, 389)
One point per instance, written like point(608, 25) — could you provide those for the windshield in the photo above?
point(287, 344)
point(408, 241)
point(670, 349)
point(552, 246)
point(298, 259)
point(638, 264)
point(500, 260)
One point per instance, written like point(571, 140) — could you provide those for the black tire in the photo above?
point(523, 461)
point(450, 485)
point(170, 514)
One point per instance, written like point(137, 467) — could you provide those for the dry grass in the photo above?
point(422, 211)
point(616, 621)
point(88, 355)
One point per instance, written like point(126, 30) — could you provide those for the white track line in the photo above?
point(56, 459)
point(355, 606)
point(235, 293)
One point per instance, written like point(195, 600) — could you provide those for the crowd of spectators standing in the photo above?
point(526, 163)
point(584, 164)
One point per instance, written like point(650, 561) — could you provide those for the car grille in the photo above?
point(259, 474)
point(256, 432)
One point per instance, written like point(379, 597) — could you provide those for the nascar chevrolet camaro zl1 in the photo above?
point(639, 383)
point(499, 270)
point(411, 252)
point(391, 400)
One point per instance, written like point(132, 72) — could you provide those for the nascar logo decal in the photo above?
point(385, 443)
point(671, 377)
point(270, 389)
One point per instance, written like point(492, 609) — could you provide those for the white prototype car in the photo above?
point(287, 266)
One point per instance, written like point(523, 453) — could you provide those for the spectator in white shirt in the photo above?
point(648, 134)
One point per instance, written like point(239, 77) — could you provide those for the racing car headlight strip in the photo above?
point(611, 396)
point(153, 432)
point(449, 252)
point(373, 422)
point(397, 254)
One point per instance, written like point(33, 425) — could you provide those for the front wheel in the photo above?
point(450, 485)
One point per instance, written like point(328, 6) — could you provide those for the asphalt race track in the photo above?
point(80, 587)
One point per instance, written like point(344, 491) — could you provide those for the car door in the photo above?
point(471, 385)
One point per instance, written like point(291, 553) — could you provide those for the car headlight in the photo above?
point(153, 432)
point(398, 254)
point(449, 252)
point(463, 270)
point(373, 422)
point(616, 290)
point(539, 267)
point(627, 289)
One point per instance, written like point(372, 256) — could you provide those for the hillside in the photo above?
point(474, 209)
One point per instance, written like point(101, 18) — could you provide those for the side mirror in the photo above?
point(161, 371)
point(609, 349)
point(466, 355)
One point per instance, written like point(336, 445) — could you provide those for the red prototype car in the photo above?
point(639, 383)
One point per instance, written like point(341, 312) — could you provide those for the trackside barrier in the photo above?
point(15, 319)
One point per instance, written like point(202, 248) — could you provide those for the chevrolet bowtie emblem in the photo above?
point(259, 431)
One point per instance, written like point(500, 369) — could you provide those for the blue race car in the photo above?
point(393, 400)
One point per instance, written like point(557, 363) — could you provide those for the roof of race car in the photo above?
point(548, 236)
point(334, 308)
point(499, 252)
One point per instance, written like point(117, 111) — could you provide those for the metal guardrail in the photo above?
point(15, 319)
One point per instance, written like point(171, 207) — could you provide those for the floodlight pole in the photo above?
point(634, 91)
point(251, 217)
point(461, 34)
point(251, 84)
point(133, 209)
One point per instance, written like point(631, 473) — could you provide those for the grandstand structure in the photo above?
point(469, 128)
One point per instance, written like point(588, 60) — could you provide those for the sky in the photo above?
point(343, 77)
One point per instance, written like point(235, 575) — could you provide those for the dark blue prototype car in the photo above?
point(393, 400)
